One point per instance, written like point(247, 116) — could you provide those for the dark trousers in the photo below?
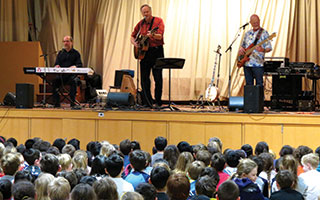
point(62, 80)
point(146, 66)
point(251, 73)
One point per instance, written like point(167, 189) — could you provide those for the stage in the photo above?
point(192, 125)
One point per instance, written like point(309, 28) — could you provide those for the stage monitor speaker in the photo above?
point(24, 92)
point(235, 103)
point(253, 99)
point(120, 99)
point(119, 76)
point(9, 99)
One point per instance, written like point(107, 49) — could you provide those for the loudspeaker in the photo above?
point(120, 99)
point(25, 94)
point(290, 86)
point(235, 103)
point(9, 99)
point(119, 74)
point(253, 99)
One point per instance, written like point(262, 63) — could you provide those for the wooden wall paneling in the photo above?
point(295, 135)
point(146, 131)
point(17, 128)
point(47, 129)
point(229, 134)
point(114, 131)
point(82, 129)
point(192, 132)
point(270, 133)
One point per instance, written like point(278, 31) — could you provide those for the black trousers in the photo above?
point(60, 80)
point(146, 66)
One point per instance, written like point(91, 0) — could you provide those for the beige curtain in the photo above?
point(13, 20)
point(193, 30)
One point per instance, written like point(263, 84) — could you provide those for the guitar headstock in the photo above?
point(273, 35)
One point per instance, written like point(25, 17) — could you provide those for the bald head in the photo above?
point(255, 22)
point(67, 42)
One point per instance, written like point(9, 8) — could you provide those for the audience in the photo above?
point(64, 171)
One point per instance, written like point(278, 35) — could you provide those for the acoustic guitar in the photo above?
point(242, 59)
point(143, 45)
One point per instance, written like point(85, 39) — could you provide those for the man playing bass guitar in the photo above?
point(253, 68)
point(153, 28)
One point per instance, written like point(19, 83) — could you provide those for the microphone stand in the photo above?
point(45, 56)
point(230, 55)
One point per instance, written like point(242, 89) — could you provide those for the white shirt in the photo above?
point(123, 186)
point(311, 179)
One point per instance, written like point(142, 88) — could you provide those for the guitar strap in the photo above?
point(258, 37)
point(151, 24)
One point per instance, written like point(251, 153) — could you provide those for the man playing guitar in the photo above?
point(154, 51)
point(254, 67)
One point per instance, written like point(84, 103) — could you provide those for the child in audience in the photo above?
point(41, 185)
point(228, 190)
point(10, 164)
point(184, 159)
point(178, 186)
point(50, 164)
point(194, 171)
point(205, 188)
point(298, 153)
point(311, 176)
point(132, 196)
point(106, 188)
point(284, 181)
point(245, 179)
point(114, 169)
point(138, 161)
point(232, 159)
point(160, 144)
point(171, 154)
point(23, 190)
point(65, 162)
point(83, 191)
point(159, 177)
point(204, 156)
point(218, 162)
point(261, 147)
point(147, 190)
point(59, 189)
point(268, 172)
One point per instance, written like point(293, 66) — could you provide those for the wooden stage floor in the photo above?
point(192, 125)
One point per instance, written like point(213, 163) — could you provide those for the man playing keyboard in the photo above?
point(67, 57)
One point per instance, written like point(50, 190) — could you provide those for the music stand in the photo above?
point(169, 63)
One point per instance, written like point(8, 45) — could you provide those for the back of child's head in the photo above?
point(75, 142)
point(23, 175)
point(204, 156)
point(178, 187)
point(65, 161)
point(41, 185)
point(284, 179)
point(195, 169)
point(5, 188)
point(286, 150)
point(28, 143)
point(13, 141)
point(218, 161)
point(83, 191)
point(125, 146)
point(228, 190)
point(198, 147)
point(312, 159)
point(216, 140)
point(69, 149)
point(94, 148)
point(206, 185)
point(70, 176)
point(59, 143)
point(138, 160)
point(184, 159)
point(258, 160)
point(159, 177)
point(212, 173)
point(59, 189)
point(98, 166)
point(31, 155)
point(23, 190)
point(88, 180)
point(79, 161)
point(184, 146)
point(147, 190)
point(135, 145)
point(114, 165)
point(267, 160)
point(105, 188)
point(261, 147)
point(10, 163)
point(301, 151)
point(245, 167)
point(160, 143)
point(248, 149)
point(132, 196)
point(232, 158)
point(171, 154)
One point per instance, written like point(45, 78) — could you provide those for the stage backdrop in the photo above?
point(193, 30)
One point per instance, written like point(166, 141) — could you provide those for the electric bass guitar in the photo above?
point(212, 92)
point(143, 45)
point(242, 59)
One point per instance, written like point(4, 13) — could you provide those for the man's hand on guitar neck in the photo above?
point(134, 42)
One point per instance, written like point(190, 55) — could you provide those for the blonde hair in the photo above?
point(245, 166)
point(162, 164)
point(10, 163)
point(107, 149)
point(131, 196)
point(79, 161)
point(195, 168)
point(311, 159)
point(2, 147)
point(41, 185)
point(59, 189)
point(64, 161)
point(9, 149)
point(289, 163)
point(184, 159)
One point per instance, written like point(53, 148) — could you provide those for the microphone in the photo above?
point(243, 26)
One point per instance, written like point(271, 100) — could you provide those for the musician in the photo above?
point(67, 57)
point(155, 51)
point(253, 69)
